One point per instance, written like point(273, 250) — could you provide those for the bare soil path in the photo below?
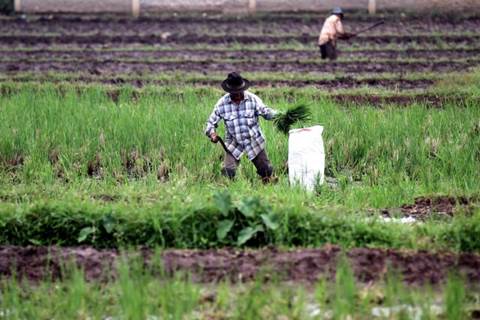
point(302, 265)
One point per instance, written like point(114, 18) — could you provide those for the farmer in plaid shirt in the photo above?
point(239, 110)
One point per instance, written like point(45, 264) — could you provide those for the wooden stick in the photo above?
point(223, 145)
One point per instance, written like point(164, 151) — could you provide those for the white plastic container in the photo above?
point(306, 157)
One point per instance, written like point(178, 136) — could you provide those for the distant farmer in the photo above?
point(239, 109)
point(331, 31)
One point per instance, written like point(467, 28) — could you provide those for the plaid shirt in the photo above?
point(243, 133)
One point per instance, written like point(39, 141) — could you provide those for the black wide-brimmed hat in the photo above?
point(235, 83)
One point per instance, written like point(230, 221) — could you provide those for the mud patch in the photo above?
point(94, 167)
point(442, 204)
point(13, 163)
point(425, 207)
point(302, 265)
point(106, 197)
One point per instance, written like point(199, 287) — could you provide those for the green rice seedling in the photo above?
point(132, 290)
point(79, 144)
point(285, 120)
point(455, 297)
point(345, 303)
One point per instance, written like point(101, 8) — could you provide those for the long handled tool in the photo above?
point(223, 145)
point(369, 28)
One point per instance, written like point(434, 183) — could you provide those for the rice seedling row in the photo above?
point(195, 55)
point(398, 84)
point(153, 39)
point(141, 67)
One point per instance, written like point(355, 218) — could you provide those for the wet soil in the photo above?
point(426, 207)
point(195, 38)
point(139, 67)
point(271, 24)
point(236, 54)
point(302, 265)
point(415, 38)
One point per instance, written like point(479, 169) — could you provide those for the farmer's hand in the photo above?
point(346, 36)
point(214, 137)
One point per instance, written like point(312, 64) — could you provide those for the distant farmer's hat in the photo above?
point(235, 83)
point(337, 10)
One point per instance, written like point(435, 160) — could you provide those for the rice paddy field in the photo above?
point(112, 205)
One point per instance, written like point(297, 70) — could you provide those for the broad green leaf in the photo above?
point(249, 206)
point(247, 233)
point(224, 228)
point(269, 221)
point(223, 201)
point(109, 223)
point(85, 232)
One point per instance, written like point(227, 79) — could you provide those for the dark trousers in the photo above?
point(261, 162)
point(328, 50)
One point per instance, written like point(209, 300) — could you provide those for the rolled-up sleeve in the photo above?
point(263, 110)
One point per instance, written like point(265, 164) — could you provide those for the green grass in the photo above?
point(144, 293)
point(380, 158)
point(192, 77)
point(377, 147)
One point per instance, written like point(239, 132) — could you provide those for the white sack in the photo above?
point(306, 157)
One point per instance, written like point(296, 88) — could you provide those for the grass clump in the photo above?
point(243, 222)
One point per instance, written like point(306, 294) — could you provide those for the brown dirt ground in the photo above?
point(247, 54)
point(266, 24)
point(425, 207)
point(194, 38)
point(141, 67)
point(302, 265)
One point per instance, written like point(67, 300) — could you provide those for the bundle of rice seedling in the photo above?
point(283, 121)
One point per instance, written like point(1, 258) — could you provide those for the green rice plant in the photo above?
point(146, 151)
point(455, 297)
point(284, 120)
point(345, 303)
point(138, 292)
